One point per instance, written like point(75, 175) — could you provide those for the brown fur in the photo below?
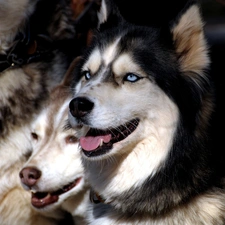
point(25, 88)
point(50, 132)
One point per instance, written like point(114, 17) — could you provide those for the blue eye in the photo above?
point(131, 77)
point(87, 75)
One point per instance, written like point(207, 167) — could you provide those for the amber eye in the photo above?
point(71, 139)
point(34, 136)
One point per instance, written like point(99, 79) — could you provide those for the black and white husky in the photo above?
point(38, 40)
point(145, 97)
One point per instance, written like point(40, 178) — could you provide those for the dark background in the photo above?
point(214, 15)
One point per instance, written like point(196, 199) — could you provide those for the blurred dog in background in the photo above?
point(38, 41)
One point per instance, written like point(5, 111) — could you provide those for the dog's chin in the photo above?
point(41, 200)
point(100, 142)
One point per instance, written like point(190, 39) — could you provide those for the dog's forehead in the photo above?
point(52, 117)
point(103, 56)
point(111, 57)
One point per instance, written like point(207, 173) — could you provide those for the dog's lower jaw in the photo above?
point(42, 199)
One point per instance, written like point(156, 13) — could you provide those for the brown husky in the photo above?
point(54, 172)
point(38, 40)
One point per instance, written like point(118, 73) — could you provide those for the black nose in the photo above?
point(80, 106)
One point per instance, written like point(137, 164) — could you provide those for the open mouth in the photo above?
point(42, 199)
point(98, 142)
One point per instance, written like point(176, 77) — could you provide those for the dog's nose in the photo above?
point(80, 106)
point(29, 176)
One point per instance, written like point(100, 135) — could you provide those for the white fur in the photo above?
point(102, 14)
point(15, 146)
point(11, 192)
point(14, 207)
point(203, 210)
point(59, 163)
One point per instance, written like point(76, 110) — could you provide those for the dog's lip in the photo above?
point(42, 199)
point(98, 142)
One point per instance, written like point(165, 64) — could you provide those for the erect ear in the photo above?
point(85, 18)
point(78, 7)
point(63, 88)
point(108, 15)
point(85, 8)
point(189, 40)
point(69, 75)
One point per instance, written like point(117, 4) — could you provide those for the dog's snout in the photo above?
point(80, 106)
point(29, 176)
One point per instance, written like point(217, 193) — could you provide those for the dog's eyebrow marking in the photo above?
point(110, 52)
point(94, 62)
point(124, 64)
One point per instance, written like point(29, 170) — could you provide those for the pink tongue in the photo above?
point(91, 143)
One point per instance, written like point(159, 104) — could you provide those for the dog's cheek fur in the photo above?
point(158, 120)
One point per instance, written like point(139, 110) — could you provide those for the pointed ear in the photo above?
point(68, 77)
point(85, 8)
point(190, 42)
point(103, 12)
point(78, 7)
point(84, 15)
point(108, 15)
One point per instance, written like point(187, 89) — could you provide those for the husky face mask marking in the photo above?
point(115, 79)
point(108, 130)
